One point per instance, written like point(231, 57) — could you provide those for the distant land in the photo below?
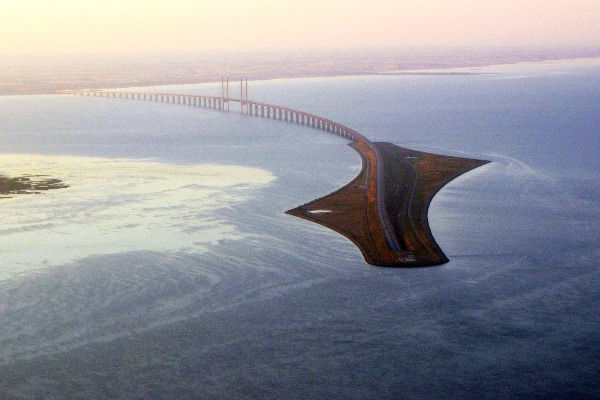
point(51, 74)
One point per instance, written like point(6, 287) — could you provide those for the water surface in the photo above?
point(200, 290)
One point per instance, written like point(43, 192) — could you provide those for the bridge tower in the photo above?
point(244, 106)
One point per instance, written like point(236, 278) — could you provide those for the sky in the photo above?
point(101, 26)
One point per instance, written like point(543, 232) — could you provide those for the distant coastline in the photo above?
point(52, 74)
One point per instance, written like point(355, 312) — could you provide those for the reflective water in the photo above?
point(153, 277)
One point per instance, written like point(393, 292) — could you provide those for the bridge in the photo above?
point(371, 217)
point(253, 108)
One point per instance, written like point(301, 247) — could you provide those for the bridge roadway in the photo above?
point(281, 113)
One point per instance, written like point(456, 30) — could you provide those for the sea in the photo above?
point(169, 270)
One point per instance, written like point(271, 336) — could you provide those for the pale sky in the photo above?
point(90, 26)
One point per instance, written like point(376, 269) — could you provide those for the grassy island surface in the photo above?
point(410, 181)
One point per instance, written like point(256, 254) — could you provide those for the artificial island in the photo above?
point(383, 211)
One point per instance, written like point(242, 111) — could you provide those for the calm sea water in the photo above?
point(169, 270)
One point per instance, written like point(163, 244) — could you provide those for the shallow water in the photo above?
point(184, 286)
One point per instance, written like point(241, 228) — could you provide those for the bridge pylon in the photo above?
point(244, 106)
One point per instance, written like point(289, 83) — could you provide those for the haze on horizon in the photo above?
point(39, 27)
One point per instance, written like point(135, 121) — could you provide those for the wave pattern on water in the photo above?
point(117, 205)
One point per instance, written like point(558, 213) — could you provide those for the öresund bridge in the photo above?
point(390, 230)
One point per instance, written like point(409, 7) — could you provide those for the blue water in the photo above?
point(287, 309)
